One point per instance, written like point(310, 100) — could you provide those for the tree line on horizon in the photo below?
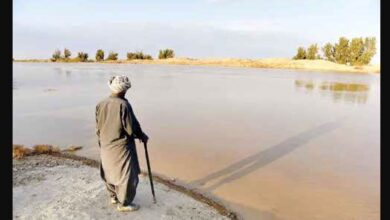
point(355, 52)
point(100, 55)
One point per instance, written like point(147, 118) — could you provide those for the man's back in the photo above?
point(109, 121)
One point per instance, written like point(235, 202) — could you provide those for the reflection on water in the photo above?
point(309, 84)
point(339, 91)
point(68, 73)
point(339, 87)
point(60, 71)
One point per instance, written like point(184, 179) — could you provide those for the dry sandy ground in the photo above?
point(273, 63)
point(47, 187)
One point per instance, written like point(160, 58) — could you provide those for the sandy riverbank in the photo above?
point(64, 186)
point(272, 63)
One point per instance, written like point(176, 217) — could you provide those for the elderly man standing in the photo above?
point(116, 128)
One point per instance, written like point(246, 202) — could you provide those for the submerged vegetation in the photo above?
point(355, 52)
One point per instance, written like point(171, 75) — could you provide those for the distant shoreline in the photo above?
point(266, 63)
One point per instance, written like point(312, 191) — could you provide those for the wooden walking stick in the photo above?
point(149, 172)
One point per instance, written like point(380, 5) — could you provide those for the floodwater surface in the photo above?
point(271, 144)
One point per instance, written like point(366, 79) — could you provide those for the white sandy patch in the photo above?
point(75, 191)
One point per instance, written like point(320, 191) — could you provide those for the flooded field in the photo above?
point(271, 144)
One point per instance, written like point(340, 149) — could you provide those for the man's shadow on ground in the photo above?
point(264, 157)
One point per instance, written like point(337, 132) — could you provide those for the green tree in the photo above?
point(356, 50)
point(83, 57)
point(329, 52)
point(342, 51)
point(369, 50)
point(312, 52)
point(56, 55)
point(301, 54)
point(166, 53)
point(112, 56)
point(99, 55)
point(67, 53)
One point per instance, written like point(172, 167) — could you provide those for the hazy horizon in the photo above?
point(198, 29)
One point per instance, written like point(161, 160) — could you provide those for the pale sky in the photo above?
point(199, 29)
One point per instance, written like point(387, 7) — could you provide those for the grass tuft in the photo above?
point(72, 149)
point(20, 151)
point(45, 149)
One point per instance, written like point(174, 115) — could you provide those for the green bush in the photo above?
point(148, 57)
point(56, 55)
point(167, 53)
point(99, 55)
point(83, 57)
point(112, 56)
point(138, 56)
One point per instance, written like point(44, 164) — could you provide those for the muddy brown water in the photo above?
point(271, 144)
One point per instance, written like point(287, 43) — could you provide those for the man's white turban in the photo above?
point(119, 84)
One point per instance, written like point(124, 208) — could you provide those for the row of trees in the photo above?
point(100, 55)
point(357, 51)
point(57, 56)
